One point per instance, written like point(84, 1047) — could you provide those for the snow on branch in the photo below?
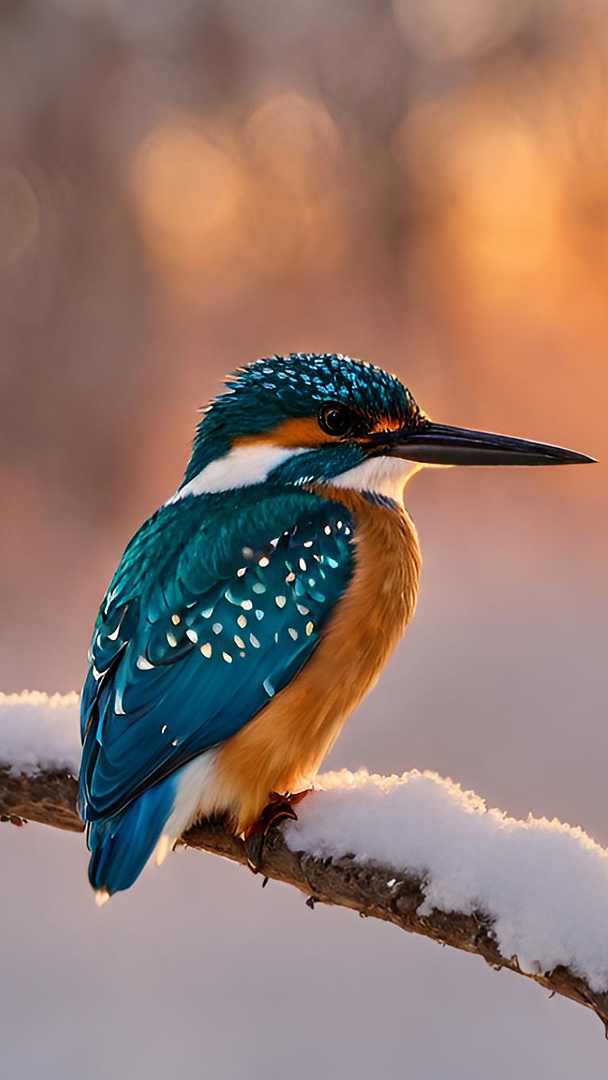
point(39, 732)
point(414, 850)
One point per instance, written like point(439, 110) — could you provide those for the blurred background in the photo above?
point(185, 186)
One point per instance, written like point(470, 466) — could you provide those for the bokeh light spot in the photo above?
point(187, 193)
point(442, 30)
point(292, 145)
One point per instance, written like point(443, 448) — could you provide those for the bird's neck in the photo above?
point(380, 477)
point(388, 552)
point(381, 599)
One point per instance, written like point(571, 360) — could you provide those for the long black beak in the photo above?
point(439, 444)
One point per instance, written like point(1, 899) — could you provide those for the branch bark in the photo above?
point(373, 890)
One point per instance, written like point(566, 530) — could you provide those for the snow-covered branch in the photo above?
point(414, 850)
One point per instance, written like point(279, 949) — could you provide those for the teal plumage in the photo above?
point(216, 604)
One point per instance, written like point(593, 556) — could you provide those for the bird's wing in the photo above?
point(212, 611)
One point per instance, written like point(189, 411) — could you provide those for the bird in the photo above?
point(253, 611)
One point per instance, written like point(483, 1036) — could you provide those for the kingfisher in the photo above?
point(253, 611)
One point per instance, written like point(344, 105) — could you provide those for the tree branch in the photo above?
point(372, 889)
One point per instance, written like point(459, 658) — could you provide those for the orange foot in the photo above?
point(278, 808)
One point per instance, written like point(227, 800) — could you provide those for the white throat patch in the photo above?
point(385, 476)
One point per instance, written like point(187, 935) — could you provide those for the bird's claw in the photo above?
point(279, 808)
point(14, 819)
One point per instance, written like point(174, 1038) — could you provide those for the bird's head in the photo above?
point(327, 419)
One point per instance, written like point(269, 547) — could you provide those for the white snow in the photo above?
point(39, 731)
point(544, 884)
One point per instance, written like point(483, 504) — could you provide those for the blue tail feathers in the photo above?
point(121, 845)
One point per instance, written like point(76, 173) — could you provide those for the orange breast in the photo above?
point(283, 747)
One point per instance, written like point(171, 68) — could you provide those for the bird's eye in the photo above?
point(336, 419)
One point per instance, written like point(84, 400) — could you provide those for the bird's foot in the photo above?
point(14, 819)
point(279, 808)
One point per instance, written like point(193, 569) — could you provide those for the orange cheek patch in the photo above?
point(387, 424)
point(305, 431)
point(297, 432)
